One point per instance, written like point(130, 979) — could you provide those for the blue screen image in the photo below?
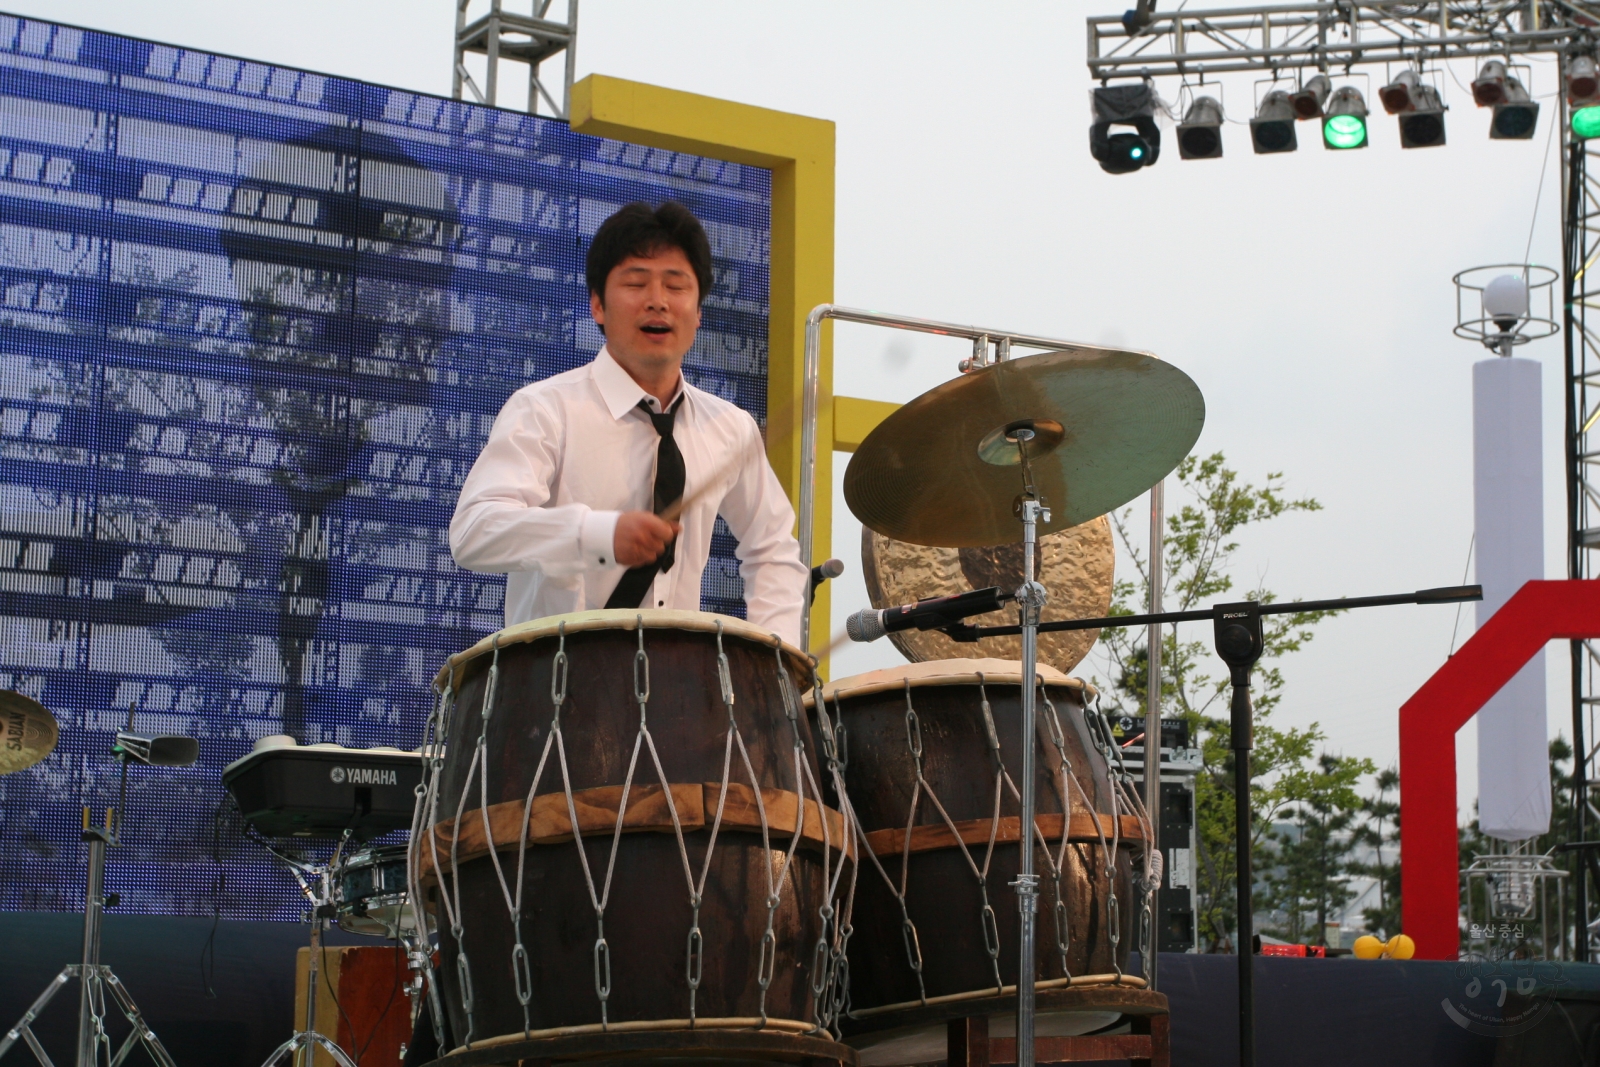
point(255, 325)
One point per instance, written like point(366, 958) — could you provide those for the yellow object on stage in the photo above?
point(1367, 947)
point(1400, 947)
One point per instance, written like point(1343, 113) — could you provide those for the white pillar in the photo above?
point(1508, 511)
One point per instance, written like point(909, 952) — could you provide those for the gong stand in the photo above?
point(1237, 636)
point(1032, 510)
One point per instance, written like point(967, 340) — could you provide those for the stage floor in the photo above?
point(1311, 1012)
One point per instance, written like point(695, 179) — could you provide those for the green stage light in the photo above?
point(1345, 131)
point(1586, 122)
point(1345, 124)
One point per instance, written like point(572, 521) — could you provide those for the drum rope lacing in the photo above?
point(1149, 878)
point(1056, 863)
point(830, 948)
point(830, 986)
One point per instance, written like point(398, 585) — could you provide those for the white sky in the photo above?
point(1308, 294)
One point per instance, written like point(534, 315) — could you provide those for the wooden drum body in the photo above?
point(619, 947)
point(935, 921)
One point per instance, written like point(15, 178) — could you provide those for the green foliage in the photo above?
point(1199, 545)
point(1306, 879)
point(1380, 833)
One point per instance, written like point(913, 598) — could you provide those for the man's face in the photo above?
point(651, 310)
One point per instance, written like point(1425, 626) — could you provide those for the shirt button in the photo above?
point(661, 603)
point(602, 561)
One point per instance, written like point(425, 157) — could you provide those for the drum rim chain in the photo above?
point(435, 734)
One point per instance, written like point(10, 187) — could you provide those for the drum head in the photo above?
point(945, 672)
point(1075, 566)
point(453, 672)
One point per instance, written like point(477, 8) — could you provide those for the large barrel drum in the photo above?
point(694, 893)
point(933, 764)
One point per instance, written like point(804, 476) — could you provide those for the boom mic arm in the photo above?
point(932, 613)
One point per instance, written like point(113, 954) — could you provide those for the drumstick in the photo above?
point(675, 509)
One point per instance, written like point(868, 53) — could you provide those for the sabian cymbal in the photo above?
point(941, 470)
point(27, 732)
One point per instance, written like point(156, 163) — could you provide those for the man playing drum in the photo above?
point(575, 494)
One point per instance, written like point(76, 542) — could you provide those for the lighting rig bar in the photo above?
point(1330, 36)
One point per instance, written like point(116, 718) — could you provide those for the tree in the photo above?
point(1199, 545)
point(1306, 880)
point(1380, 830)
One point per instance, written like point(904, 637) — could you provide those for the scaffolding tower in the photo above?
point(532, 39)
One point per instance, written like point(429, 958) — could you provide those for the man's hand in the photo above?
point(641, 537)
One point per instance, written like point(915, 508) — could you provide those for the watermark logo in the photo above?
point(1493, 997)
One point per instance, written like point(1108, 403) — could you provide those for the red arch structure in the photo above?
point(1430, 880)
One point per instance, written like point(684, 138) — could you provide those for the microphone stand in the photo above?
point(1238, 639)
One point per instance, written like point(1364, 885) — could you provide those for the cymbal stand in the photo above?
point(1031, 597)
point(94, 976)
point(316, 882)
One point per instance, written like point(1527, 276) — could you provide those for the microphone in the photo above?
point(932, 613)
point(831, 568)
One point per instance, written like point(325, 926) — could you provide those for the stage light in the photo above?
point(1583, 81)
point(1400, 94)
point(1309, 100)
point(1124, 105)
point(1423, 125)
point(1490, 87)
point(1200, 133)
point(1345, 123)
point(1272, 130)
point(1586, 122)
point(1516, 115)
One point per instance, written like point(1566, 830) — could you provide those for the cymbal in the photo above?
point(27, 732)
point(941, 470)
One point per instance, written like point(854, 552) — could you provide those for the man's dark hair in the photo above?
point(637, 229)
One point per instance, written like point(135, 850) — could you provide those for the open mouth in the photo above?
point(656, 329)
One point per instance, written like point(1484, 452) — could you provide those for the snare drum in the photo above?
point(697, 893)
point(370, 893)
point(933, 762)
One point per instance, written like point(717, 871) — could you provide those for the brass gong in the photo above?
point(1075, 565)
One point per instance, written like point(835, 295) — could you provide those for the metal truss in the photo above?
point(532, 39)
point(1341, 35)
point(1581, 249)
point(1333, 36)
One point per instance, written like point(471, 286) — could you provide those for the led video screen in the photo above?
point(256, 324)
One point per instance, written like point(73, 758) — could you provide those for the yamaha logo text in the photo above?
point(363, 776)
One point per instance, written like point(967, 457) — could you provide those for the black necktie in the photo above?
point(635, 584)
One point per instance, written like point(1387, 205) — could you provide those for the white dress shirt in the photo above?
point(569, 454)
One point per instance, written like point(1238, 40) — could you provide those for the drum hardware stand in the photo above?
point(1031, 597)
point(163, 750)
point(319, 892)
point(1237, 636)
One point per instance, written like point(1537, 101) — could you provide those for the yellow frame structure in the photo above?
point(799, 151)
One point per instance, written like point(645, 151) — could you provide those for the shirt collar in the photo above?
point(618, 389)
